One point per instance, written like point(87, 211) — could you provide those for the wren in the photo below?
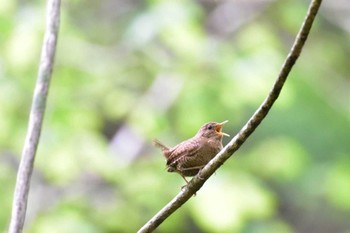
point(190, 156)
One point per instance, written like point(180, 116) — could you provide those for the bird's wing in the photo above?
point(187, 148)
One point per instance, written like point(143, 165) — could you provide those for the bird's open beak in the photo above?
point(218, 128)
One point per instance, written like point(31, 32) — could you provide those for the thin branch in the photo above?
point(197, 182)
point(25, 170)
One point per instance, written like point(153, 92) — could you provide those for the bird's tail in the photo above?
point(160, 145)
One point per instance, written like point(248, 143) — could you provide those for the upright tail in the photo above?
point(160, 145)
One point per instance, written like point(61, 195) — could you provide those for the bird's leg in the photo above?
point(184, 178)
point(192, 168)
point(186, 184)
point(182, 187)
point(180, 173)
point(199, 175)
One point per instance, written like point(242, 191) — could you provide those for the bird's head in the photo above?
point(212, 130)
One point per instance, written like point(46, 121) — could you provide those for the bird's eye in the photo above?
point(210, 127)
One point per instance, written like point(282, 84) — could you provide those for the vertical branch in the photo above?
point(37, 111)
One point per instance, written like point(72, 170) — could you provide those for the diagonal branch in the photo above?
point(197, 182)
point(37, 111)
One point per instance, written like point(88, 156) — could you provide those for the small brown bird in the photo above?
point(190, 156)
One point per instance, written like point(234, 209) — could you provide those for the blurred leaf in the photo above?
point(338, 183)
point(279, 159)
point(225, 204)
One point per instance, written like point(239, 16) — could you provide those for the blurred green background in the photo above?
point(130, 71)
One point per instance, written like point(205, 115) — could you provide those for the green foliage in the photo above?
point(127, 72)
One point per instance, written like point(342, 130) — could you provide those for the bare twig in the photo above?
point(197, 182)
point(25, 170)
